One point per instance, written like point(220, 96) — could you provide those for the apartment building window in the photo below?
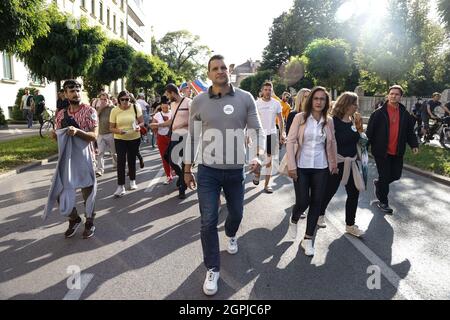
point(114, 23)
point(108, 13)
point(93, 8)
point(121, 4)
point(7, 66)
point(100, 7)
point(121, 29)
point(83, 3)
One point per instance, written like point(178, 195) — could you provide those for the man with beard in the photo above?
point(82, 122)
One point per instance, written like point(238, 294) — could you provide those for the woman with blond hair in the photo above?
point(311, 156)
point(300, 101)
point(347, 138)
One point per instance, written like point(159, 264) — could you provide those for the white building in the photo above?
point(119, 19)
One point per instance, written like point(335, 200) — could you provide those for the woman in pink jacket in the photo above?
point(311, 156)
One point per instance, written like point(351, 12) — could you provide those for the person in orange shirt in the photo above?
point(390, 127)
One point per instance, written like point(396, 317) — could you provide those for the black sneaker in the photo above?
point(182, 194)
point(384, 207)
point(89, 230)
point(73, 226)
point(141, 162)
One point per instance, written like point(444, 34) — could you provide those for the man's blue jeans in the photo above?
point(210, 182)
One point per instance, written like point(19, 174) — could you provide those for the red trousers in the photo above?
point(163, 144)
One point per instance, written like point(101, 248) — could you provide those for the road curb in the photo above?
point(424, 173)
point(428, 174)
point(28, 166)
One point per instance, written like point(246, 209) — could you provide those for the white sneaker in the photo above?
point(321, 222)
point(308, 247)
point(232, 247)
point(303, 215)
point(133, 185)
point(120, 191)
point(354, 230)
point(210, 284)
point(292, 231)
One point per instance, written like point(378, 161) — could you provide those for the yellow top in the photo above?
point(285, 108)
point(124, 120)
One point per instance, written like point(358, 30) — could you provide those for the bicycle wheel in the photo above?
point(445, 138)
point(46, 129)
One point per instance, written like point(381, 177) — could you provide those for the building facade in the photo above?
point(247, 69)
point(118, 19)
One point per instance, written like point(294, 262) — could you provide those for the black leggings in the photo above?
point(126, 150)
point(308, 193)
point(351, 204)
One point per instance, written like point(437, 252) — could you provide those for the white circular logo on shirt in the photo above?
point(228, 109)
point(94, 116)
point(354, 128)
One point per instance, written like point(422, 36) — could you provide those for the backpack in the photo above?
point(29, 100)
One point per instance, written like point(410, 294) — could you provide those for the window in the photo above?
point(107, 17)
point(121, 29)
point(121, 4)
point(83, 3)
point(93, 7)
point(114, 23)
point(7, 66)
point(37, 81)
point(100, 7)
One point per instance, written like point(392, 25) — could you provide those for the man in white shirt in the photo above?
point(269, 110)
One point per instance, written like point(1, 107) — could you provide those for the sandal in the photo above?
point(255, 179)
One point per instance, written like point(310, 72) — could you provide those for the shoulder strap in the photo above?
point(173, 119)
point(135, 112)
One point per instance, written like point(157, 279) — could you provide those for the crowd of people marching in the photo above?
point(219, 133)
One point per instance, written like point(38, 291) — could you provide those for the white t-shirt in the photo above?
point(268, 111)
point(163, 131)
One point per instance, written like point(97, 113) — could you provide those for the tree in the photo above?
point(292, 31)
point(254, 83)
point(184, 54)
point(329, 62)
point(69, 50)
point(148, 74)
point(116, 64)
point(22, 22)
point(444, 12)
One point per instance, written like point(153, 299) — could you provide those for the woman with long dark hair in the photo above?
point(125, 122)
point(311, 156)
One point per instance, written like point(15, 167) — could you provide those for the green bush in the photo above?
point(2, 118)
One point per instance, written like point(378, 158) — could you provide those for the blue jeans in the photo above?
point(209, 184)
point(28, 115)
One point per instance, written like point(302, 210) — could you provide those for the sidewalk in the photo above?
point(15, 131)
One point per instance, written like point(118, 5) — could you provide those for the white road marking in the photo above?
point(75, 294)
point(403, 288)
point(153, 182)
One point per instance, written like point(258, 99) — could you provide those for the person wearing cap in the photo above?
point(163, 137)
point(186, 90)
point(390, 127)
point(82, 122)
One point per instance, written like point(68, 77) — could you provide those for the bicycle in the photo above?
point(439, 130)
point(48, 125)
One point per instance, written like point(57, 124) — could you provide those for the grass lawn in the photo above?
point(429, 158)
point(14, 153)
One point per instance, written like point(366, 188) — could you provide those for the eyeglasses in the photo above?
point(125, 99)
point(319, 99)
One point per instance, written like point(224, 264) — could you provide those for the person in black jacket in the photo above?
point(390, 127)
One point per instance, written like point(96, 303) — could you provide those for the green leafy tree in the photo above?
point(21, 23)
point(2, 118)
point(184, 54)
point(69, 50)
point(329, 62)
point(116, 64)
point(444, 12)
point(148, 74)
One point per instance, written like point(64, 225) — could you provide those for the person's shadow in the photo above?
point(345, 274)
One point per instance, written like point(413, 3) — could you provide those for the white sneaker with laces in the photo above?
point(232, 247)
point(354, 230)
point(292, 231)
point(210, 284)
point(308, 247)
point(321, 222)
point(133, 185)
point(120, 191)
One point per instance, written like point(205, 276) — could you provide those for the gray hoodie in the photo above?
point(74, 170)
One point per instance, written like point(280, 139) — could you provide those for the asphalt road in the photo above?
point(147, 244)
